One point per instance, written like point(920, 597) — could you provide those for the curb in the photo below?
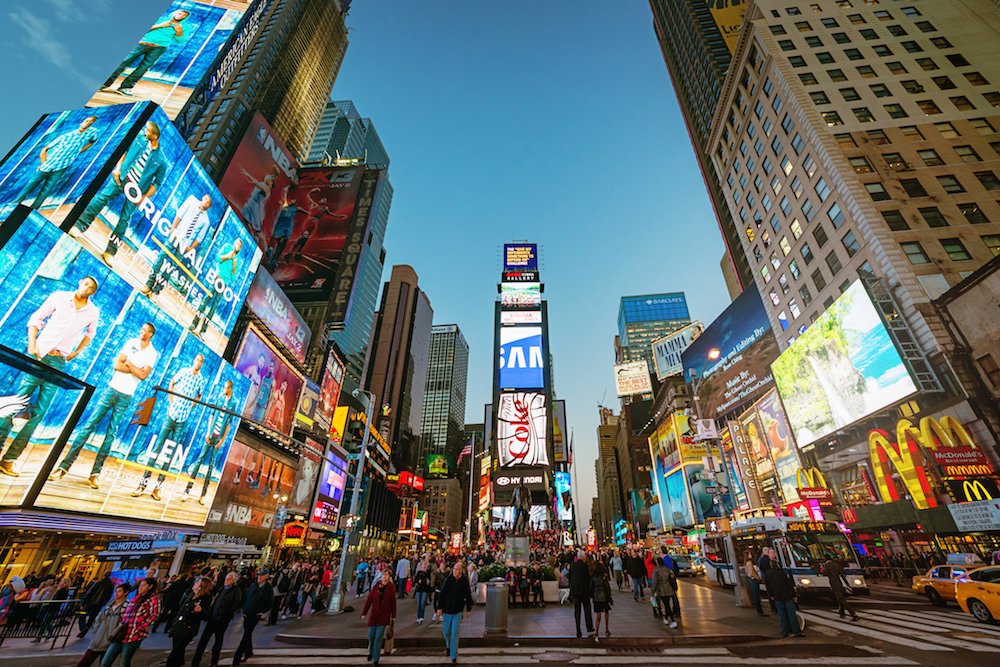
point(541, 642)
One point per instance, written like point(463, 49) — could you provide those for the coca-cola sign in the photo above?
point(521, 429)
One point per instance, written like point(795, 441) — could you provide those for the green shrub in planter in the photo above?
point(492, 571)
point(549, 573)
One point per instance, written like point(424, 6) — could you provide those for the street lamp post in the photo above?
point(278, 500)
point(351, 520)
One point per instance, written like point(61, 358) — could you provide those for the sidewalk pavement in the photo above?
point(709, 615)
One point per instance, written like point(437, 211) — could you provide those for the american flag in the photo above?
point(467, 450)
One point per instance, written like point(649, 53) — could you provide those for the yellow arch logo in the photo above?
point(810, 478)
point(974, 490)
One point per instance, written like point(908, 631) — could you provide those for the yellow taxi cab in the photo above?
point(978, 593)
point(938, 584)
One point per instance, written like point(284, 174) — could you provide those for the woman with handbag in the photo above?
point(381, 603)
point(138, 619)
point(195, 606)
point(107, 622)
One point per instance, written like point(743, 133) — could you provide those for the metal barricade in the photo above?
point(496, 607)
point(46, 621)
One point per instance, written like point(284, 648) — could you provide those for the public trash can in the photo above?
point(496, 607)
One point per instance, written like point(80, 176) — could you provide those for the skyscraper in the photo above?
point(397, 370)
point(644, 318)
point(697, 38)
point(285, 69)
point(343, 132)
point(444, 396)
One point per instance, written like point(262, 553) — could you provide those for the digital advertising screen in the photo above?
point(245, 505)
point(308, 236)
point(272, 396)
point(522, 364)
point(667, 350)
point(733, 356)
point(560, 433)
point(330, 491)
point(520, 257)
point(438, 465)
point(564, 496)
point(511, 317)
point(330, 384)
point(91, 325)
point(520, 295)
point(174, 54)
point(781, 444)
point(841, 369)
point(632, 378)
point(522, 429)
point(310, 462)
point(307, 416)
point(676, 502)
point(658, 486)
point(757, 449)
point(147, 209)
point(268, 302)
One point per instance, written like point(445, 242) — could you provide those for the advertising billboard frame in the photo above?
point(290, 402)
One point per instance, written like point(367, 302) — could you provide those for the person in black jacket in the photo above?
point(636, 570)
point(225, 606)
point(192, 609)
point(455, 594)
point(259, 598)
point(579, 592)
point(94, 599)
point(781, 588)
point(171, 600)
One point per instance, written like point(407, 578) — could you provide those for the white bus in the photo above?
point(802, 547)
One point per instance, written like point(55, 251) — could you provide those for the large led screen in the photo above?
point(667, 350)
point(675, 501)
point(841, 369)
point(273, 394)
point(174, 54)
point(517, 295)
point(141, 202)
point(522, 429)
point(310, 463)
point(521, 360)
point(520, 257)
point(732, 356)
point(307, 239)
point(780, 443)
point(560, 433)
point(759, 457)
point(61, 305)
point(330, 491)
point(330, 384)
point(564, 497)
point(268, 302)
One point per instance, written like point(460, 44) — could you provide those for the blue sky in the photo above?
point(549, 121)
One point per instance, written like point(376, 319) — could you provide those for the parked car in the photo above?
point(687, 567)
point(938, 583)
point(978, 593)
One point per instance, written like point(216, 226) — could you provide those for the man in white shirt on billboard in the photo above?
point(189, 230)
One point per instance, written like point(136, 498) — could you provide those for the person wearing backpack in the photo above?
point(663, 591)
point(600, 591)
point(421, 587)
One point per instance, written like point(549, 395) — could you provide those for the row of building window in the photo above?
point(948, 182)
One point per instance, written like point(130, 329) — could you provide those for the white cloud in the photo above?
point(74, 10)
point(37, 35)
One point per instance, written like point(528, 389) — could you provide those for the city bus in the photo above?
point(802, 546)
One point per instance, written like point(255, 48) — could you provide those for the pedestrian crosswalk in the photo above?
point(924, 629)
point(292, 657)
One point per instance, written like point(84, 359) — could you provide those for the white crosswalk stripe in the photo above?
point(949, 623)
point(904, 629)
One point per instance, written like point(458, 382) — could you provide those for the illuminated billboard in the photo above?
point(510, 317)
point(564, 497)
point(732, 356)
point(63, 306)
point(309, 233)
point(142, 203)
point(522, 429)
point(310, 461)
point(174, 55)
point(437, 466)
point(518, 295)
point(667, 350)
point(777, 438)
point(330, 384)
point(520, 257)
point(728, 16)
point(758, 457)
point(329, 491)
point(521, 359)
point(272, 396)
point(841, 369)
point(675, 501)
point(266, 300)
point(560, 433)
point(260, 179)
point(632, 377)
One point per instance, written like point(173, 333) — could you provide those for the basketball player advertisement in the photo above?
point(62, 306)
point(174, 54)
point(151, 213)
point(273, 395)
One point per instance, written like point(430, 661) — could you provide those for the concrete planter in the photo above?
point(550, 589)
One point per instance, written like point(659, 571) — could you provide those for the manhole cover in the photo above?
point(556, 657)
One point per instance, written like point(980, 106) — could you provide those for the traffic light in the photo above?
point(145, 412)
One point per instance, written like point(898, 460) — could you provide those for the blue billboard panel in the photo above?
point(64, 307)
point(521, 358)
point(140, 202)
point(564, 497)
point(520, 257)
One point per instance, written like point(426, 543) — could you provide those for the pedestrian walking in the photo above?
point(402, 576)
point(136, 621)
point(421, 586)
point(456, 593)
point(193, 608)
point(600, 591)
point(663, 590)
point(361, 574)
point(616, 567)
point(781, 588)
point(95, 597)
point(834, 570)
point(105, 625)
point(381, 602)
point(637, 573)
point(579, 592)
point(258, 599)
point(227, 602)
point(753, 578)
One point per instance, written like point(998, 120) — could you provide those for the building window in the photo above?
point(882, 50)
point(786, 45)
point(976, 79)
point(895, 220)
point(973, 213)
point(962, 103)
point(897, 30)
point(915, 252)
point(944, 83)
point(765, 273)
point(912, 131)
point(814, 42)
point(950, 184)
point(929, 107)
point(806, 253)
point(806, 296)
point(832, 118)
point(819, 97)
point(927, 64)
point(797, 61)
point(958, 60)
point(849, 94)
point(913, 187)
point(863, 114)
point(841, 38)
point(990, 369)
point(880, 90)
point(853, 54)
point(987, 178)
point(912, 47)
point(941, 42)
point(930, 157)
point(830, 23)
point(851, 244)
point(818, 280)
point(836, 75)
point(856, 19)
point(932, 216)
point(878, 137)
point(833, 262)
point(896, 67)
point(877, 191)
point(824, 57)
point(967, 154)
point(993, 99)
point(808, 79)
point(796, 186)
point(947, 130)
point(808, 211)
point(836, 216)
point(793, 268)
point(809, 165)
point(955, 249)
point(820, 235)
point(912, 86)
point(785, 245)
point(992, 242)
point(867, 71)
point(895, 110)
point(895, 161)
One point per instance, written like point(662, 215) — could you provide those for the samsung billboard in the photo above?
point(521, 361)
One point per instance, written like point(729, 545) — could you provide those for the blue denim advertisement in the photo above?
point(66, 308)
point(156, 219)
